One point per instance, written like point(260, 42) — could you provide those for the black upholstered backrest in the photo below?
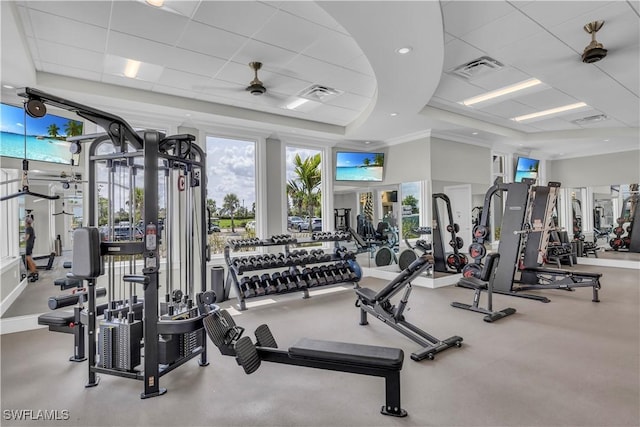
point(87, 262)
point(405, 276)
point(490, 265)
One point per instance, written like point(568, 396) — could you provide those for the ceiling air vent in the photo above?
point(477, 67)
point(591, 119)
point(319, 93)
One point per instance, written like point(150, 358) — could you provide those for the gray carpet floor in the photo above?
point(570, 362)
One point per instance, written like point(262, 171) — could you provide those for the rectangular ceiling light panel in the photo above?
point(507, 90)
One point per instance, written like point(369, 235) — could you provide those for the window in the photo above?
point(304, 189)
point(231, 190)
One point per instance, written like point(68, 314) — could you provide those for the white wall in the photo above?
point(408, 162)
point(605, 169)
point(458, 162)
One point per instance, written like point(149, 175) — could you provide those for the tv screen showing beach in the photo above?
point(45, 137)
point(526, 168)
point(359, 166)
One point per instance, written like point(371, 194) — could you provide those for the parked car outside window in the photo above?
point(293, 222)
point(316, 225)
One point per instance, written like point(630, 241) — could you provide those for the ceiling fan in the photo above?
point(255, 86)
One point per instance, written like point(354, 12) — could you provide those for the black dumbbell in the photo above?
point(298, 278)
point(246, 286)
point(322, 278)
point(267, 284)
point(288, 280)
point(278, 282)
point(310, 277)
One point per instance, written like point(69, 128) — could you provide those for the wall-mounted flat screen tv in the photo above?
point(45, 137)
point(526, 168)
point(359, 166)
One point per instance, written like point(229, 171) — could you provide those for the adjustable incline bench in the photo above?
point(380, 306)
point(336, 356)
point(48, 266)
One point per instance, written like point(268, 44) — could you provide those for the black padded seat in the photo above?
point(66, 264)
point(473, 283)
point(569, 272)
point(369, 295)
point(348, 353)
point(56, 318)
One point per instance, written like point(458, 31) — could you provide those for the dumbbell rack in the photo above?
point(339, 267)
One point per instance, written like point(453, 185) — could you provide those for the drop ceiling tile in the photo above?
point(181, 79)
point(183, 7)
point(553, 124)
point(505, 110)
point(309, 11)
point(509, 29)
point(186, 60)
point(546, 99)
point(65, 70)
point(299, 33)
point(561, 11)
point(88, 12)
point(623, 66)
point(127, 82)
point(350, 101)
point(68, 32)
point(239, 17)
point(361, 65)
point(620, 29)
point(335, 48)
point(137, 48)
point(456, 89)
point(350, 81)
point(269, 55)
point(74, 57)
point(210, 41)
point(458, 52)
point(462, 17)
point(497, 79)
point(165, 27)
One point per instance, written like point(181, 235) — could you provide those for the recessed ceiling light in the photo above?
point(501, 92)
point(393, 114)
point(8, 87)
point(367, 142)
point(549, 112)
point(606, 140)
point(296, 103)
point(155, 3)
point(132, 68)
point(474, 133)
point(404, 50)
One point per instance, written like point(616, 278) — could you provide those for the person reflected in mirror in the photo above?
point(30, 238)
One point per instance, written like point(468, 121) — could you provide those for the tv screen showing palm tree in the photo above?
point(359, 166)
point(42, 139)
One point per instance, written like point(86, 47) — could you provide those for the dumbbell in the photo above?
point(267, 284)
point(321, 276)
point(311, 278)
point(339, 272)
point(298, 278)
point(278, 282)
point(328, 274)
point(288, 280)
point(246, 287)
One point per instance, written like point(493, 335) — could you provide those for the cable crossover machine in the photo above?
point(155, 181)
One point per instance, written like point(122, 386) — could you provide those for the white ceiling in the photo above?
point(195, 69)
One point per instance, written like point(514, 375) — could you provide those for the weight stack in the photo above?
point(106, 348)
point(129, 337)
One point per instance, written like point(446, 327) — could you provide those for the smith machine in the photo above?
point(144, 338)
point(524, 237)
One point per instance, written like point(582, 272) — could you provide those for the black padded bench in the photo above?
point(360, 359)
point(48, 266)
